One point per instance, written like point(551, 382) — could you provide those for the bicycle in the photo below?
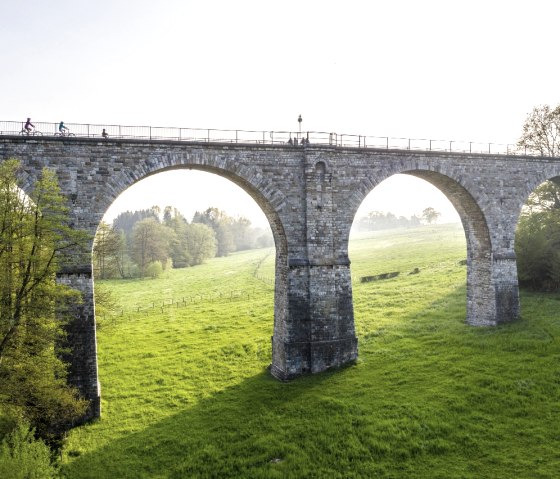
point(30, 132)
point(64, 133)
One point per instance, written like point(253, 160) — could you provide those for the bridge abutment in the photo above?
point(81, 337)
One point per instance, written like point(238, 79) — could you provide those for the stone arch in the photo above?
point(480, 291)
point(269, 200)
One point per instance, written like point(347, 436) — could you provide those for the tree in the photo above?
point(537, 240)
point(107, 247)
point(35, 236)
point(179, 252)
point(221, 223)
point(430, 215)
point(541, 131)
point(242, 234)
point(201, 243)
point(150, 242)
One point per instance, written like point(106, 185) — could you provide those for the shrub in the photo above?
point(154, 269)
point(24, 457)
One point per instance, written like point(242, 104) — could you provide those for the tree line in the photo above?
point(378, 220)
point(147, 242)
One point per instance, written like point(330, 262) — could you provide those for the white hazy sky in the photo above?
point(461, 70)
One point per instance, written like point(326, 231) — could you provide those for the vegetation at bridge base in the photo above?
point(187, 393)
point(34, 235)
point(22, 456)
point(537, 240)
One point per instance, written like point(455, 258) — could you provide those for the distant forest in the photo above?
point(377, 220)
point(147, 242)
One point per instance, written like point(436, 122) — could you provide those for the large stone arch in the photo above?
point(481, 295)
point(245, 180)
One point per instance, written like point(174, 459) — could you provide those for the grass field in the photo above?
point(186, 391)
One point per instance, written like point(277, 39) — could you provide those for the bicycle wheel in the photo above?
point(37, 133)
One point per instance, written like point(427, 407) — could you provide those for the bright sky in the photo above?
point(461, 70)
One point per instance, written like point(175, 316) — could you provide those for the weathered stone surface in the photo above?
point(310, 197)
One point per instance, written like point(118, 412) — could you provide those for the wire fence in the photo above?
point(215, 296)
point(208, 135)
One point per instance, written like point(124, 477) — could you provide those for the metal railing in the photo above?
point(261, 137)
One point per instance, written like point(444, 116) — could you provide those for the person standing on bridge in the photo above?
point(29, 126)
point(61, 128)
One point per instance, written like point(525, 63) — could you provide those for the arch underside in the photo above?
point(481, 299)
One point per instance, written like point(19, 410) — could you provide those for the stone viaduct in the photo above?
point(310, 196)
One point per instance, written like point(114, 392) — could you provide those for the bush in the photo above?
point(154, 269)
point(24, 457)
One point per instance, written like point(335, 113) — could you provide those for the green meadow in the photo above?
point(186, 391)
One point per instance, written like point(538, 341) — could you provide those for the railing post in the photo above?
point(430, 145)
point(387, 142)
point(208, 137)
point(409, 143)
point(489, 147)
point(450, 147)
point(236, 136)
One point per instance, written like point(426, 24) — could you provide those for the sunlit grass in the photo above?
point(186, 392)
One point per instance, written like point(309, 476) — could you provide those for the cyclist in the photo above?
point(104, 134)
point(62, 129)
point(28, 126)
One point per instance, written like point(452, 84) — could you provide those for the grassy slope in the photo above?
point(186, 392)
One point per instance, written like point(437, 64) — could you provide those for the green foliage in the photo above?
point(34, 237)
point(154, 269)
point(139, 237)
point(200, 243)
point(108, 253)
point(221, 223)
point(150, 243)
point(537, 240)
point(187, 393)
point(24, 457)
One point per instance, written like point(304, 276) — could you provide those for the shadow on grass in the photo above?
point(238, 432)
